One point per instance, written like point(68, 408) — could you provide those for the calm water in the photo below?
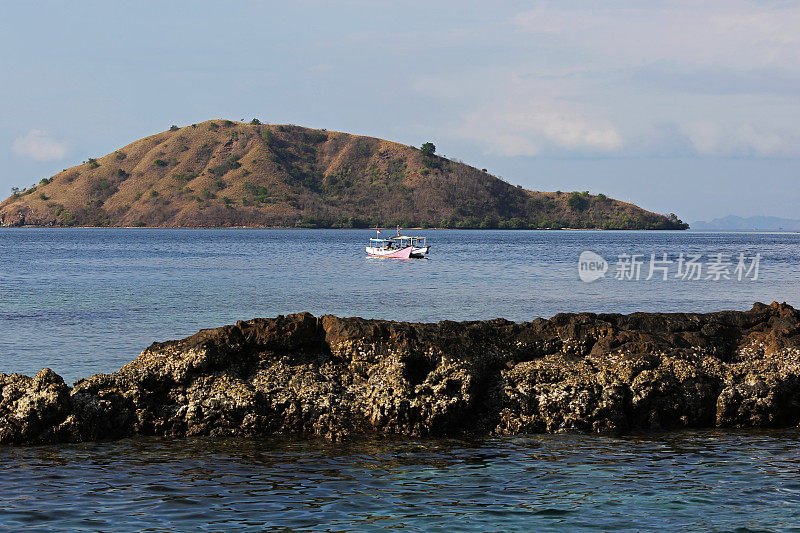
point(677, 482)
point(83, 301)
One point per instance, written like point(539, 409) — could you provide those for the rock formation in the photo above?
point(340, 377)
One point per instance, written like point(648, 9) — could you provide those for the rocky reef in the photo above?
point(339, 377)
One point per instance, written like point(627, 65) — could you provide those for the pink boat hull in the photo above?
point(405, 253)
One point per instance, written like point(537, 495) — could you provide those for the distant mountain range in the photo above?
point(222, 173)
point(734, 223)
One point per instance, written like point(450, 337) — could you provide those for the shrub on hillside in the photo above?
point(489, 222)
point(69, 219)
point(102, 188)
point(513, 223)
point(362, 148)
point(431, 163)
point(229, 164)
point(316, 137)
point(184, 178)
point(577, 201)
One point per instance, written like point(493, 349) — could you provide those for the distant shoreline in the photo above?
point(789, 231)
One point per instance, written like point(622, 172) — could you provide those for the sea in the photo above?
point(84, 301)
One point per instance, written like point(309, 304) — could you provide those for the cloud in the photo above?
point(710, 138)
point(38, 145)
point(732, 33)
point(666, 78)
point(528, 128)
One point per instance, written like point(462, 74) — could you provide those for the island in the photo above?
point(222, 173)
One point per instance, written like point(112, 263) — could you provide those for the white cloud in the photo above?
point(529, 128)
point(38, 145)
point(709, 138)
point(730, 33)
point(667, 78)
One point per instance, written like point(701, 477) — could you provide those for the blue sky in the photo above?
point(685, 107)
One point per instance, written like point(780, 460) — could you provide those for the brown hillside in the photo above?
point(225, 173)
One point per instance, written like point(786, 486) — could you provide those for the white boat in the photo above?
point(420, 247)
point(399, 247)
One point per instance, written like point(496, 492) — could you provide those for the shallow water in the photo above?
point(83, 301)
point(721, 481)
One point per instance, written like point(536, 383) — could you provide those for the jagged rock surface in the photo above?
point(339, 377)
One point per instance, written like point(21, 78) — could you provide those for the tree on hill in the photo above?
point(428, 149)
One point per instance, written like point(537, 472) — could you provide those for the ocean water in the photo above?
point(83, 301)
point(689, 481)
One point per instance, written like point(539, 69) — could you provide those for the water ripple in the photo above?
point(724, 481)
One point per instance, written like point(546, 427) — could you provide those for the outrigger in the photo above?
point(399, 247)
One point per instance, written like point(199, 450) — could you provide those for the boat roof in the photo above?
point(397, 238)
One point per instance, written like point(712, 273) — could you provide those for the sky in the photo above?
point(684, 107)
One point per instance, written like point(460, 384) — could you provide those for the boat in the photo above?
point(419, 247)
point(399, 247)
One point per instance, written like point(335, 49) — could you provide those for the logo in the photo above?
point(591, 266)
point(720, 266)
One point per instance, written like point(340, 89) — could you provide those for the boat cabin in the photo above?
point(398, 243)
point(401, 246)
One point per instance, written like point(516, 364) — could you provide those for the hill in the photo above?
point(225, 173)
point(759, 223)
